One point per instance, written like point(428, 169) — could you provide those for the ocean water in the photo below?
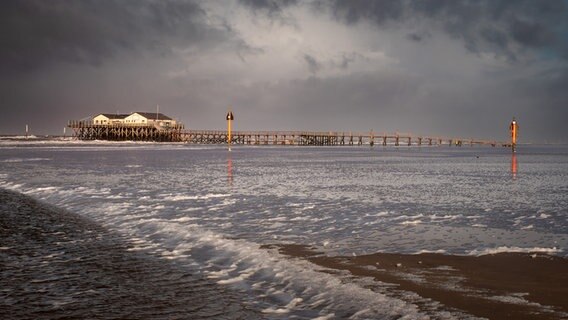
point(210, 210)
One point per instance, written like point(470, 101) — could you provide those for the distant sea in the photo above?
point(212, 217)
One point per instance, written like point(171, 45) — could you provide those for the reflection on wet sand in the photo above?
point(230, 170)
point(514, 165)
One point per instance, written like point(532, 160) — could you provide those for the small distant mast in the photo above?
point(514, 129)
point(229, 118)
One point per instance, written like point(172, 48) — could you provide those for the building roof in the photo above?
point(153, 115)
point(147, 115)
point(113, 116)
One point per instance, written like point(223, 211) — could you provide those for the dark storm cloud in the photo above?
point(531, 33)
point(36, 33)
point(378, 12)
point(272, 6)
point(313, 65)
point(492, 25)
point(297, 64)
point(418, 37)
point(346, 60)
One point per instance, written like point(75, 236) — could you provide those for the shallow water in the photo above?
point(210, 210)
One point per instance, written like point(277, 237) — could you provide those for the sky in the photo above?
point(430, 67)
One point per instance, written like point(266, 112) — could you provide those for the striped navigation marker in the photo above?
point(230, 118)
point(514, 128)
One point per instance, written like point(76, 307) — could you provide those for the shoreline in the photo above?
point(494, 286)
point(57, 264)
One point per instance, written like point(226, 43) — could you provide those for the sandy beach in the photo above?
point(57, 265)
point(190, 232)
point(499, 286)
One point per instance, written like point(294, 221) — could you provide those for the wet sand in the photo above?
point(55, 264)
point(499, 286)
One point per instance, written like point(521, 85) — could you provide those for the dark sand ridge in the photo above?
point(499, 286)
point(55, 264)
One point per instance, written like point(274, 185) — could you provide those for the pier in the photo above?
point(306, 138)
point(86, 130)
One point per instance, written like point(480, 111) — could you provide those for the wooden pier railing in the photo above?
point(86, 130)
